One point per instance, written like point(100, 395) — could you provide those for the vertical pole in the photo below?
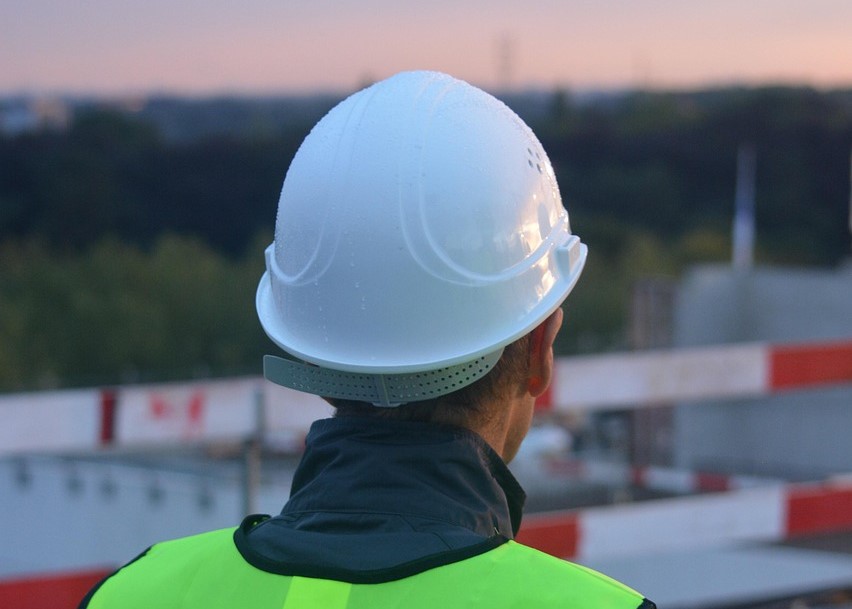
point(505, 63)
point(850, 191)
point(253, 457)
point(743, 239)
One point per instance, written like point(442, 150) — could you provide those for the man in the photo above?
point(421, 256)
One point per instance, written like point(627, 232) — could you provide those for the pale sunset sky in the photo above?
point(204, 47)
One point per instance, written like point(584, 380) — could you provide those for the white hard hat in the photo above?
point(420, 230)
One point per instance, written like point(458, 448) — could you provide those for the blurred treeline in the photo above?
point(128, 254)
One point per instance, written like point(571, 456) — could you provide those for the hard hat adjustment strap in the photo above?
point(385, 390)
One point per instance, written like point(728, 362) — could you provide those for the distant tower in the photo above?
point(505, 61)
point(743, 239)
point(850, 191)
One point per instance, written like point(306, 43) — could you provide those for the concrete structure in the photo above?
point(792, 435)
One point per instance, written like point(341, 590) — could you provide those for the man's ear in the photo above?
point(541, 353)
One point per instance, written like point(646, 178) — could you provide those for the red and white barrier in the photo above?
point(680, 481)
point(234, 409)
point(634, 380)
point(634, 529)
point(230, 410)
point(751, 515)
point(57, 590)
point(684, 481)
point(214, 410)
point(146, 415)
point(51, 421)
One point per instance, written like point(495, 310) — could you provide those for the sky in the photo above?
point(202, 47)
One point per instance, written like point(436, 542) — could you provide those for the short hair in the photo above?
point(467, 407)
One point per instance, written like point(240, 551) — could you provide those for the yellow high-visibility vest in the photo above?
point(207, 571)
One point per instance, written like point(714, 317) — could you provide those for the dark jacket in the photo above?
point(374, 500)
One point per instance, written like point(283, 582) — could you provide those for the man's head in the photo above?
point(420, 232)
point(498, 406)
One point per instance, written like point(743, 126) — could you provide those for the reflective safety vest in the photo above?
point(207, 571)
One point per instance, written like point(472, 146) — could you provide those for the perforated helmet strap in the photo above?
point(383, 390)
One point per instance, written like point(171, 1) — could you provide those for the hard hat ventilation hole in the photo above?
point(534, 163)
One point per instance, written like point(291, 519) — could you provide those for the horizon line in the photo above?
point(236, 92)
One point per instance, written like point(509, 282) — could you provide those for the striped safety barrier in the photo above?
point(764, 514)
point(635, 380)
point(228, 410)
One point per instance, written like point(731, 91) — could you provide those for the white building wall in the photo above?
point(59, 515)
point(794, 435)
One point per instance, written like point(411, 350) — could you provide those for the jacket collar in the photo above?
point(423, 470)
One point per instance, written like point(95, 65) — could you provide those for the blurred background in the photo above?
point(696, 441)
